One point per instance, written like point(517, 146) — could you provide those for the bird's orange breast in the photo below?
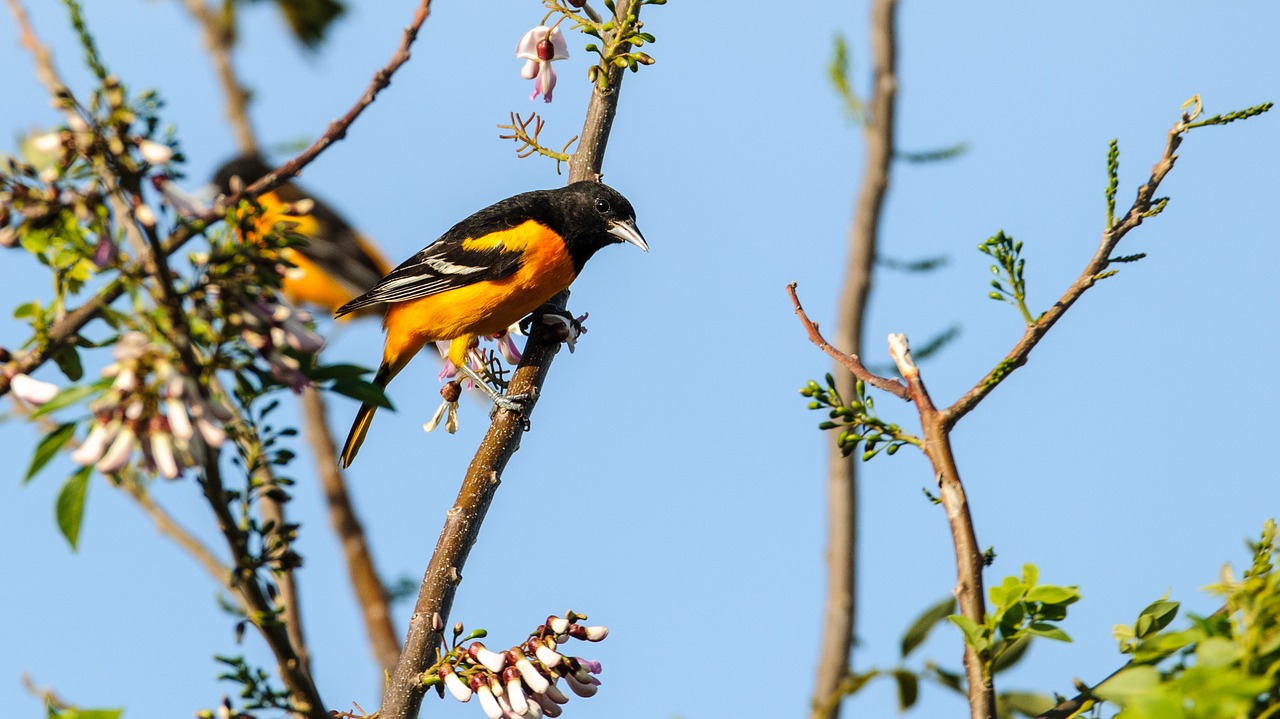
point(490, 306)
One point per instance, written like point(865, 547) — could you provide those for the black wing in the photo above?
point(336, 248)
point(446, 264)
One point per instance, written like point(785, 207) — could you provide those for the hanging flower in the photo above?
point(539, 48)
point(32, 390)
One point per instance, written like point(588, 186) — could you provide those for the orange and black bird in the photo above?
point(487, 272)
point(335, 265)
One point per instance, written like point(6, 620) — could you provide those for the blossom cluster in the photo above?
point(273, 328)
point(153, 408)
point(522, 682)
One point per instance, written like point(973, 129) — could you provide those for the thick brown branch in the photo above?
point(365, 580)
point(840, 612)
point(1097, 265)
point(848, 361)
point(969, 559)
point(403, 696)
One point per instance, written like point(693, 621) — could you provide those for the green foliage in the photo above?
point(1224, 665)
point(1008, 269)
point(937, 155)
point(255, 684)
point(56, 712)
point(838, 72)
point(70, 505)
point(617, 36)
point(1021, 608)
point(1232, 116)
point(927, 264)
point(856, 420)
point(1113, 180)
point(928, 619)
point(49, 447)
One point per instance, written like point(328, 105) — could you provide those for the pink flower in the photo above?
point(539, 48)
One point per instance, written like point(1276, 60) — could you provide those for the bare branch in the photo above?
point(840, 612)
point(403, 696)
point(365, 580)
point(969, 559)
point(1092, 272)
point(219, 40)
point(848, 361)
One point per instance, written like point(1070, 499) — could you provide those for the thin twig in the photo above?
point(839, 615)
point(403, 696)
point(365, 580)
point(68, 327)
point(1101, 260)
point(969, 558)
point(848, 361)
point(219, 40)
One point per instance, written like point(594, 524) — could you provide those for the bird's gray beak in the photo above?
point(626, 231)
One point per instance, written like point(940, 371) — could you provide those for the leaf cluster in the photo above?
point(856, 420)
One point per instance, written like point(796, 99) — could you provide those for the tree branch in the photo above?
point(840, 612)
point(848, 361)
point(365, 580)
point(969, 560)
point(219, 40)
point(68, 327)
point(1092, 272)
point(403, 696)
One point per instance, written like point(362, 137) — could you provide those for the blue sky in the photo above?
point(679, 474)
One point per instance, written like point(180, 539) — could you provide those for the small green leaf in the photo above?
point(908, 688)
point(1009, 653)
point(1129, 684)
point(1050, 594)
point(89, 714)
point(68, 396)
point(337, 371)
point(1027, 704)
point(70, 506)
point(68, 360)
point(1030, 576)
point(1155, 617)
point(1048, 631)
point(974, 635)
point(367, 392)
point(49, 448)
point(919, 629)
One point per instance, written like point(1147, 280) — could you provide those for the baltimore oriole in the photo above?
point(487, 272)
point(335, 265)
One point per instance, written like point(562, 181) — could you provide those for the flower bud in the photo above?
point(460, 691)
point(154, 152)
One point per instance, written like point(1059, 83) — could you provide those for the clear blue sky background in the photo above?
point(677, 476)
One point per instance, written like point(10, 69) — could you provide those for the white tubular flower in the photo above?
point(179, 420)
point(162, 454)
point(95, 444)
point(492, 661)
point(118, 455)
point(460, 691)
point(531, 675)
point(595, 634)
point(48, 143)
point(211, 433)
point(154, 152)
point(31, 390)
point(515, 691)
point(549, 657)
point(557, 625)
point(488, 702)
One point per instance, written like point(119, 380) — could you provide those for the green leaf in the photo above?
point(367, 392)
point(1050, 594)
point(1030, 575)
point(974, 635)
point(1048, 631)
point(1155, 617)
point(49, 448)
point(337, 371)
point(310, 20)
point(68, 360)
point(1028, 704)
point(919, 629)
point(70, 506)
point(68, 396)
point(1009, 653)
point(88, 714)
point(908, 688)
point(1129, 684)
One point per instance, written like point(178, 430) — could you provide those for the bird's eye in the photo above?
point(602, 205)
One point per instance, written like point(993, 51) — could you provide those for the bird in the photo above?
point(335, 265)
point(487, 272)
